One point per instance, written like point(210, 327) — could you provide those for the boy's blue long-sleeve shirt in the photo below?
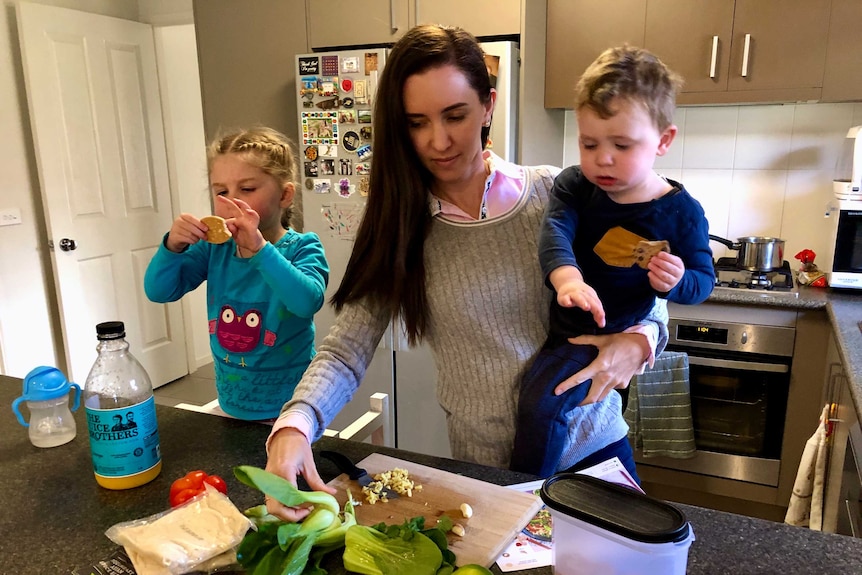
point(578, 216)
point(260, 313)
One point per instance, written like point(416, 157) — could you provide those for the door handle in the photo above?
point(68, 245)
point(746, 51)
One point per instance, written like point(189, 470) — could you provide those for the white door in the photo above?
point(93, 96)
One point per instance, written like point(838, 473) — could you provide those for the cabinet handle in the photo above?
point(416, 12)
point(392, 17)
point(712, 61)
point(745, 53)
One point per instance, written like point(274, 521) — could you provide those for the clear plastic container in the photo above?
point(46, 394)
point(600, 527)
point(121, 414)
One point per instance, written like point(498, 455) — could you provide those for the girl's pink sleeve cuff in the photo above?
point(650, 332)
point(296, 419)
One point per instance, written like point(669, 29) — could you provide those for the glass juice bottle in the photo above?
point(121, 414)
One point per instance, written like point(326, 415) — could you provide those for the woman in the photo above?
point(449, 243)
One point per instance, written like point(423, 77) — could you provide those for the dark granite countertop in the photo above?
point(54, 515)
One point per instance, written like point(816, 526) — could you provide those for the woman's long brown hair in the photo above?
point(387, 265)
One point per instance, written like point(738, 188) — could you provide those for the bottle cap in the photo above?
point(110, 330)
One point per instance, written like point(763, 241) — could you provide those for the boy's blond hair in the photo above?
point(268, 149)
point(632, 74)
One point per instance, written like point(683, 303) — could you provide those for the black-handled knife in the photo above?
point(345, 465)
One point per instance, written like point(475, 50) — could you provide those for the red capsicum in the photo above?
point(193, 483)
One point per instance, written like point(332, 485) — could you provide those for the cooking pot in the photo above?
point(756, 253)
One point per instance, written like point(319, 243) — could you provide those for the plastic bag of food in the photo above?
point(184, 538)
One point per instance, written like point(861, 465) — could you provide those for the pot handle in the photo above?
point(724, 241)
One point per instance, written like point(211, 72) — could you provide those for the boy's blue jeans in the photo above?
point(542, 427)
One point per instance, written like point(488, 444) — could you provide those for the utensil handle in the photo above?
point(724, 241)
point(343, 463)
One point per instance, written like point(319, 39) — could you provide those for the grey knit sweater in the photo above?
point(488, 318)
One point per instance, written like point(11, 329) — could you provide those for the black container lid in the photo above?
point(614, 508)
point(110, 330)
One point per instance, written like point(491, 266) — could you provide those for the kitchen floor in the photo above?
point(196, 388)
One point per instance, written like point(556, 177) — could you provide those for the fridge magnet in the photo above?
point(350, 141)
point(311, 169)
point(311, 153)
point(307, 104)
point(319, 128)
point(347, 116)
point(329, 150)
point(362, 168)
point(309, 184)
point(328, 104)
point(345, 167)
point(347, 102)
point(346, 85)
point(364, 153)
point(327, 167)
point(364, 186)
point(322, 185)
point(364, 116)
point(370, 63)
point(342, 219)
point(345, 190)
point(308, 87)
point(309, 65)
point(350, 65)
point(327, 86)
point(330, 65)
point(365, 132)
point(360, 92)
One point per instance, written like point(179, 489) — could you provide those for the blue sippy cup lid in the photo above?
point(43, 383)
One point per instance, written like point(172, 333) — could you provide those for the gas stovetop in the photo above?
point(777, 282)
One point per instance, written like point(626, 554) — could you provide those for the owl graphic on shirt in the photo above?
point(240, 332)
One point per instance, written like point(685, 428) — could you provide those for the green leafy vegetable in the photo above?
point(408, 548)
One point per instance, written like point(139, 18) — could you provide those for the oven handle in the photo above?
point(732, 364)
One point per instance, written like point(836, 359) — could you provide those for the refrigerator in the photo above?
point(335, 96)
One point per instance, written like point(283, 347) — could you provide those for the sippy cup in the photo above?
point(46, 392)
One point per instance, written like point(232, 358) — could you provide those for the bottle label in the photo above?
point(124, 441)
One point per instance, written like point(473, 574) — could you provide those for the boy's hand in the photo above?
point(576, 293)
point(185, 231)
point(665, 271)
point(242, 221)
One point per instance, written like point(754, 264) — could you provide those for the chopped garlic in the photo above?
point(466, 510)
point(396, 480)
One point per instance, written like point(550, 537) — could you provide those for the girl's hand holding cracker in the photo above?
point(185, 231)
point(665, 271)
point(242, 221)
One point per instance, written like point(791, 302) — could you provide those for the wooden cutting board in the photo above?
point(499, 513)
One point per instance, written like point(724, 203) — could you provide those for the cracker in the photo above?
point(217, 232)
point(645, 250)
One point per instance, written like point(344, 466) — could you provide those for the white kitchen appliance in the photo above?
point(335, 93)
point(847, 183)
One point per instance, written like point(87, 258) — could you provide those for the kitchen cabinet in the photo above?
point(728, 51)
point(339, 23)
point(842, 507)
point(842, 80)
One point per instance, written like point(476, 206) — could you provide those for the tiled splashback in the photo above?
point(756, 170)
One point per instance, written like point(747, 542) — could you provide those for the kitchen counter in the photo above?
point(54, 515)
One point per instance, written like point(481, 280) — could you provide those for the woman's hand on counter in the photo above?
point(290, 456)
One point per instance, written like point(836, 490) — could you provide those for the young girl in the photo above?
point(264, 285)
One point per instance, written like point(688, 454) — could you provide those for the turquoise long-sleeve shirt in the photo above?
point(260, 313)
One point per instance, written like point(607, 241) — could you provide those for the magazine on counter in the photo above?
point(533, 546)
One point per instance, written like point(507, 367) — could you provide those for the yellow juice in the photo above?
point(130, 481)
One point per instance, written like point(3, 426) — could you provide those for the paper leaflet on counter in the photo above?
point(533, 546)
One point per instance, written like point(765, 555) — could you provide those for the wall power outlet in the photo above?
point(10, 216)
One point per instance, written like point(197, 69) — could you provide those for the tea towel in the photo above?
point(806, 501)
point(659, 409)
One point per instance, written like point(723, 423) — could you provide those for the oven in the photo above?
point(739, 375)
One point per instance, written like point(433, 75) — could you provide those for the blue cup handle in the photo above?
point(77, 391)
point(18, 412)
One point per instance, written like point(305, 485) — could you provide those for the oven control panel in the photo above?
point(738, 337)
